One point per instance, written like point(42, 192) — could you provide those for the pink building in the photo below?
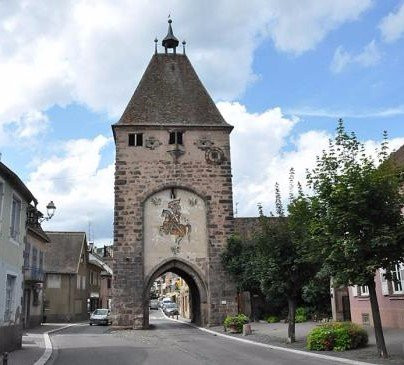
point(390, 296)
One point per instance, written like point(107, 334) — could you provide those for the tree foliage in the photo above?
point(357, 222)
point(238, 259)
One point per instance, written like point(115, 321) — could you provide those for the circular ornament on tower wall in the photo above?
point(214, 156)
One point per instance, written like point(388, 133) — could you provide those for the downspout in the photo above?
point(70, 288)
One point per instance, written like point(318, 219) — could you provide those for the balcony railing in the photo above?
point(34, 274)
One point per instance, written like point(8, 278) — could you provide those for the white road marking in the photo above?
point(299, 352)
point(48, 345)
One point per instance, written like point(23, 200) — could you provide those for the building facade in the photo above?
point(100, 281)
point(15, 198)
point(34, 274)
point(67, 283)
point(173, 193)
point(105, 255)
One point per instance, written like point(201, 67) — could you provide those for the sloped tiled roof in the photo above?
point(63, 251)
point(398, 156)
point(170, 93)
point(94, 259)
point(17, 183)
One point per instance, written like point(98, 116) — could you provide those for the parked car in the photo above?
point(154, 304)
point(171, 309)
point(164, 301)
point(100, 316)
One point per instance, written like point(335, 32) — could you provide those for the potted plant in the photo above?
point(234, 324)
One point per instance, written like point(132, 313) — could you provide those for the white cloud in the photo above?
point(369, 56)
point(81, 189)
point(336, 114)
point(298, 26)
point(392, 25)
point(94, 52)
point(263, 146)
point(31, 124)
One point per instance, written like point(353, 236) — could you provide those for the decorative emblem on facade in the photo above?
point(174, 224)
point(156, 201)
point(193, 201)
point(214, 156)
point(204, 143)
point(152, 143)
point(176, 153)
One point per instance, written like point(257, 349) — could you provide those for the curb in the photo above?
point(272, 347)
point(48, 345)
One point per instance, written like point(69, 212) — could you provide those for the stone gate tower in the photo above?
point(173, 192)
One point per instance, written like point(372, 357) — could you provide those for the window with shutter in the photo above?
point(27, 254)
point(384, 282)
point(1, 197)
point(10, 284)
point(398, 276)
point(15, 218)
point(355, 290)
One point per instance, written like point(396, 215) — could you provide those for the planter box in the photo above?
point(233, 329)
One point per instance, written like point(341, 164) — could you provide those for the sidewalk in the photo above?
point(276, 333)
point(33, 345)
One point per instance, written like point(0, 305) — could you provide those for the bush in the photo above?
point(236, 322)
point(272, 319)
point(337, 336)
point(301, 315)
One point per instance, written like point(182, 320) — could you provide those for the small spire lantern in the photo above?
point(170, 41)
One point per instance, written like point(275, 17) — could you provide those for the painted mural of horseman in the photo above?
point(172, 222)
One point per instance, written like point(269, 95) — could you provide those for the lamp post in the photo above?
point(50, 212)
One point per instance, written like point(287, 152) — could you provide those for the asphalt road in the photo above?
point(166, 343)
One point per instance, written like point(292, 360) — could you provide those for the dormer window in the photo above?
point(175, 138)
point(135, 139)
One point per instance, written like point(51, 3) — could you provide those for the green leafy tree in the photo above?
point(357, 220)
point(238, 259)
point(283, 258)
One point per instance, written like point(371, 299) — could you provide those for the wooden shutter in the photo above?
point(384, 282)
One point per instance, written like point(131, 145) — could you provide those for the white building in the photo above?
point(14, 200)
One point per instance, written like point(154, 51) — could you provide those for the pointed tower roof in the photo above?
point(170, 93)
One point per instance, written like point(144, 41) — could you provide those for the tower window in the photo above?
point(175, 138)
point(135, 139)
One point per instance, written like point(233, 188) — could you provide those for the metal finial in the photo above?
point(183, 46)
point(155, 45)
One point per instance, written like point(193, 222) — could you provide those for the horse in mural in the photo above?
point(171, 225)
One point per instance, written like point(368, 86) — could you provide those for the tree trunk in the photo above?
point(291, 320)
point(377, 323)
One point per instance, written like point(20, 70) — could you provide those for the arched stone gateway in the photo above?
point(197, 287)
point(173, 193)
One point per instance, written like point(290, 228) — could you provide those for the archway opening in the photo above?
point(180, 283)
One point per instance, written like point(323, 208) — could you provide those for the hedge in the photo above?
point(337, 336)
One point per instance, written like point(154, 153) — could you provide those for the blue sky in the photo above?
point(282, 72)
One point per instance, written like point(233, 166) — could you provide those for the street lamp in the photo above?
point(50, 211)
